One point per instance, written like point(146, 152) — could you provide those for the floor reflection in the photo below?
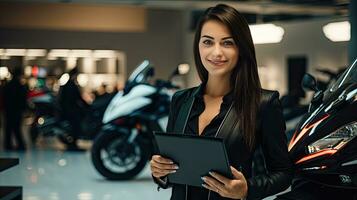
point(59, 175)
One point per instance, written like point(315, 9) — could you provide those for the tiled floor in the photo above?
point(47, 172)
point(56, 175)
point(61, 175)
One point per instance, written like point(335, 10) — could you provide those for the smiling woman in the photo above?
point(229, 104)
point(218, 51)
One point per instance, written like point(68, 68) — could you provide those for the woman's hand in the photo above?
point(235, 188)
point(161, 166)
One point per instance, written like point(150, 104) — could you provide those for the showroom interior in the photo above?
point(109, 42)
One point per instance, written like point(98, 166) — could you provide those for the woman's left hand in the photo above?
point(235, 188)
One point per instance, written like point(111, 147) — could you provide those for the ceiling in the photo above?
point(254, 10)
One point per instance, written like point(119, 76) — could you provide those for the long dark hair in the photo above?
point(244, 78)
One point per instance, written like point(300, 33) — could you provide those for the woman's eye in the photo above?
point(207, 42)
point(228, 43)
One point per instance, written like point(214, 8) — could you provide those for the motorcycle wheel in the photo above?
point(115, 158)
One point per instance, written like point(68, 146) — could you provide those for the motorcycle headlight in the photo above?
point(335, 140)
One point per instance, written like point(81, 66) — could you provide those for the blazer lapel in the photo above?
point(185, 111)
point(226, 128)
point(229, 124)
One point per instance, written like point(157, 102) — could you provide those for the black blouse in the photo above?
point(197, 193)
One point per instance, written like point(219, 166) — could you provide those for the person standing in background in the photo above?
point(2, 83)
point(73, 106)
point(14, 97)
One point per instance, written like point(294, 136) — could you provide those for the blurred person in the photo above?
point(73, 106)
point(14, 96)
point(2, 83)
point(102, 91)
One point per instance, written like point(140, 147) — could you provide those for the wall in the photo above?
point(160, 43)
point(72, 16)
point(300, 38)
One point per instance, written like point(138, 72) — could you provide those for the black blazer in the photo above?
point(270, 138)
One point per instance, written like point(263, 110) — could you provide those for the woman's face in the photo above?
point(218, 51)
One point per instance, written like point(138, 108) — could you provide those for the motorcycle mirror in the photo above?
point(308, 83)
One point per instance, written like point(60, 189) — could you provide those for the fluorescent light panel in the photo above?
point(36, 52)
point(266, 33)
point(338, 31)
point(15, 52)
point(81, 53)
point(104, 54)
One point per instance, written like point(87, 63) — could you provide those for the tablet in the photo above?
point(195, 156)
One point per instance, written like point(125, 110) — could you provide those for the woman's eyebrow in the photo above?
point(210, 37)
point(207, 36)
point(226, 38)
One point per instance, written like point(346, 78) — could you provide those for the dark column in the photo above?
point(352, 48)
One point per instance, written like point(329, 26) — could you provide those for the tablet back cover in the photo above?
point(195, 156)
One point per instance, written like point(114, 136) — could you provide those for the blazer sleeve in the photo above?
point(274, 146)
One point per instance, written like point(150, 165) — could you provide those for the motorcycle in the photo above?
point(293, 111)
point(47, 120)
point(41, 103)
point(125, 142)
point(324, 145)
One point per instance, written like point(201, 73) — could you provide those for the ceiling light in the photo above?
point(4, 72)
point(82, 80)
point(15, 52)
point(64, 79)
point(28, 70)
point(81, 53)
point(266, 33)
point(338, 31)
point(183, 68)
point(104, 54)
point(52, 58)
point(36, 52)
point(58, 53)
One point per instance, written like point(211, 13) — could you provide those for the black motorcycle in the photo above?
point(324, 145)
point(48, 120)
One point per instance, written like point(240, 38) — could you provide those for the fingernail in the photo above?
point(203, 178)
point(176, 167)
point(204, 185)
point(174, 171)
point(211, 173)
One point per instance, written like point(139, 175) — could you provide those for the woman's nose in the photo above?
point(217, 51)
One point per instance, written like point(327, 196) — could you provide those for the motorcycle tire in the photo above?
point(115, 142)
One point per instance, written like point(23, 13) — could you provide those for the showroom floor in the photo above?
point(48, 172)
point(61, 175)
point(57, 175)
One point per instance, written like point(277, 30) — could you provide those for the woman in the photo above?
point(229, 104)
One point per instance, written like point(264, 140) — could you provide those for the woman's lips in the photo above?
point(217, 62)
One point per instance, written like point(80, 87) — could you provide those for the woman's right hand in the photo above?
point(161, 166)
